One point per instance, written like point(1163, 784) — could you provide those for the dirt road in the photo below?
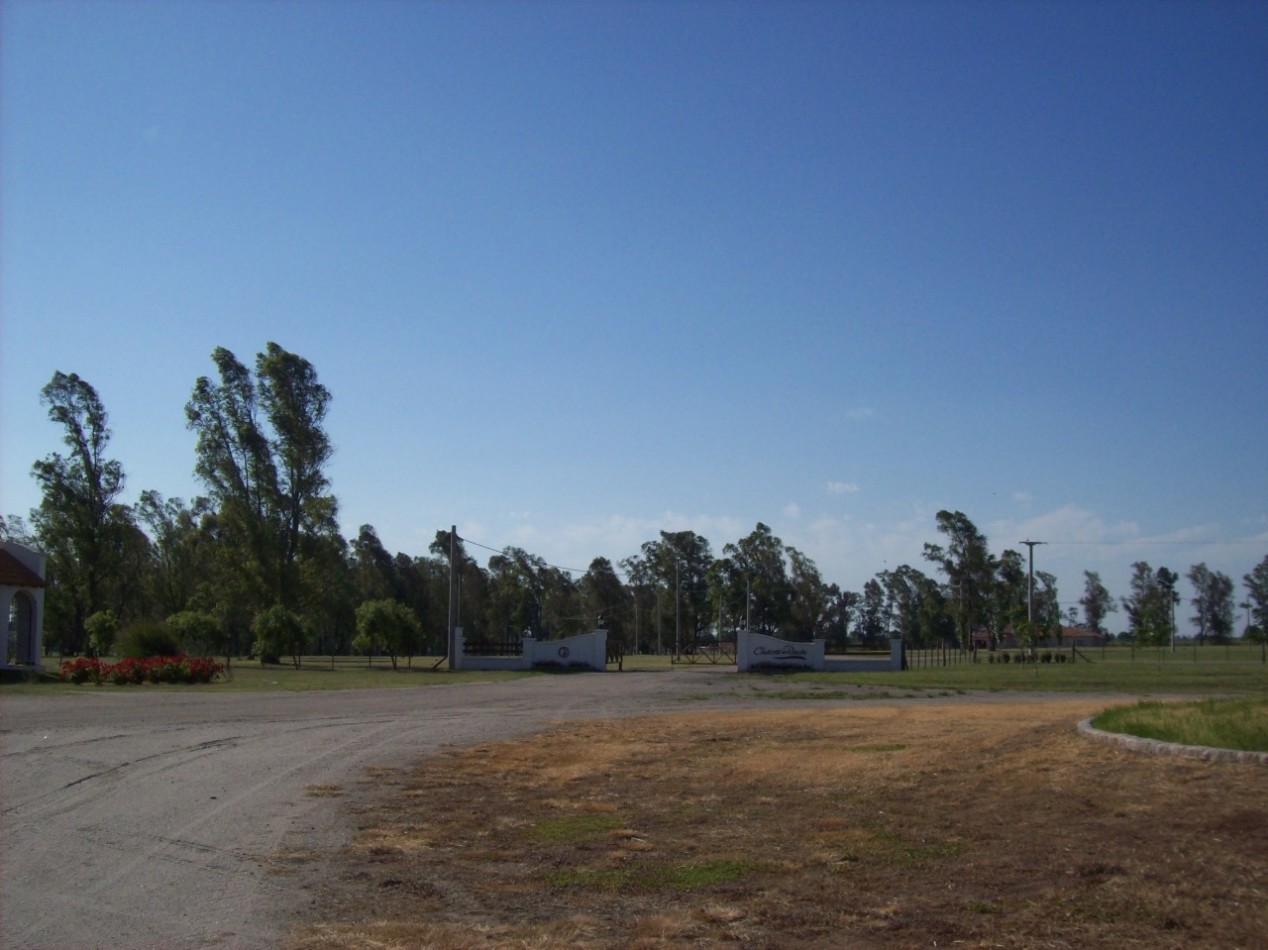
point(139, 818)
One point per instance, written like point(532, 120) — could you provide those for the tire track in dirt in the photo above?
point(154, 819)
point(124, 857)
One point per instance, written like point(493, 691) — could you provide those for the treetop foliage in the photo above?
point(260, 559)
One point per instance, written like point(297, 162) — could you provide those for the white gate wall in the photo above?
point(586, 649)
point(589, 650)
point(758, 650)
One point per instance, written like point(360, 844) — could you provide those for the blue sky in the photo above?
point(579, 272)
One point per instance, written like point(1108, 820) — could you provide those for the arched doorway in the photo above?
point(21, 629)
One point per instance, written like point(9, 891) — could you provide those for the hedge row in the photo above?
point(155, 669)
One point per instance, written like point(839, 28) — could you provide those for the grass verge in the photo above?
point(1240, 724)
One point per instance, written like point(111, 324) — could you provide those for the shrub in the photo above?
point(202, 669)
point(127, 672)
point(147, 639)
point(196, 631)
point(82, 669)
point(387, 624)
point(278, 631)
point(102, 629)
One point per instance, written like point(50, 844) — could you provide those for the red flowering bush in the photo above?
point(155, 669)
point(82, 669)
point(127, 672)
point(202, 669)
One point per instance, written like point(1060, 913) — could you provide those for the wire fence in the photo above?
point(1191, 651)
point(926, 657)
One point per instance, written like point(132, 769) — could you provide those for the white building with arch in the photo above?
point(22, 605)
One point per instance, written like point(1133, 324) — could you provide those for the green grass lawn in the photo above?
point(1218, 723)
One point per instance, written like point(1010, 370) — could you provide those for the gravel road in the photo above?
point(135, 818)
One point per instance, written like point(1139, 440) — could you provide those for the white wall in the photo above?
point(759, 650)
point(588, 650)
point(585, 649)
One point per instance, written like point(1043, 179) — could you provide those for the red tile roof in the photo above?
point(13, 573)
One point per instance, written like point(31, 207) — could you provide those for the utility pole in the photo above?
point(1175, 599)
point(660, 649)
point(1030, 585)
point(453, 594)
point(677, 612)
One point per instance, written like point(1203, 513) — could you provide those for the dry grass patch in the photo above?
point(990, 825)
point(324, 790)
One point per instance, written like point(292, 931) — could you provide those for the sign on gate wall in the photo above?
point(759, 650)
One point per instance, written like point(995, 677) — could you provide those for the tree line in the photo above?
point(258, 563)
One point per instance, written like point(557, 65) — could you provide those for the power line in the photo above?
point(502, 550)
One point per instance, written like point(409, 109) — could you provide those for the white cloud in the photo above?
point(1068, 524)
point(842, 488)
point(849, 554)
point(792, 511)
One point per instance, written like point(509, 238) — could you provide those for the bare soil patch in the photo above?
point(969, 825)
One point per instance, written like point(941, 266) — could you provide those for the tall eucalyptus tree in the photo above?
point(1096, 602)
point(679, 564)
point(1212, 603)
point(969, 569)
point(80, 523)
point(262, 453)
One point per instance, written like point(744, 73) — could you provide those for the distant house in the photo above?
point(1078, 637)
point(1070, 637)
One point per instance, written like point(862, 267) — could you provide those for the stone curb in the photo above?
point(1156, 747)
